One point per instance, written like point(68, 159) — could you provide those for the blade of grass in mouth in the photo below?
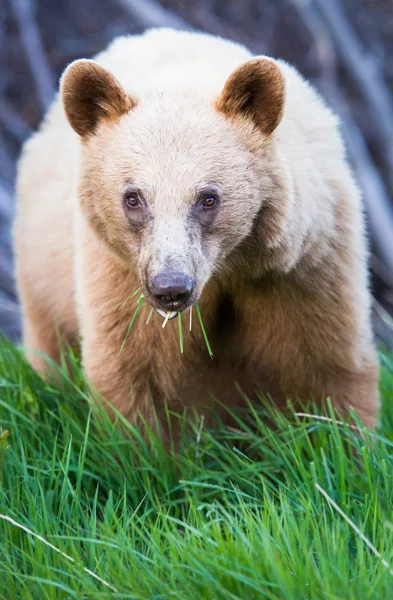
point(150, 314)
point(180, 331)
point(129, 298)
point(203, 330)
point(166, 319)
point(138, 307)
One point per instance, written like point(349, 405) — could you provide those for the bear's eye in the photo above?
point(209, 202)
point(132, 200)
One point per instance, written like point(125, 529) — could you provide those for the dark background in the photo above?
point(344, 47)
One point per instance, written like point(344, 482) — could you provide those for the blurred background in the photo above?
point(344, 47)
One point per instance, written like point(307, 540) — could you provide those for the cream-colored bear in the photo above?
point(179, 164)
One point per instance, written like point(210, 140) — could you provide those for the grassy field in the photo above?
point(301, 512)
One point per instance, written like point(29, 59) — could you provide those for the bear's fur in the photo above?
point(280, 264)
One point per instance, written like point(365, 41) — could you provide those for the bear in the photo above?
point(179, 165)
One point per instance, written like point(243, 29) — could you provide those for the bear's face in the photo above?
point(171, 193)
point(171, 190)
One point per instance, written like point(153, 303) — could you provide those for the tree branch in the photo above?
point(13, 123)
point(376, 198)
point(7, 167)
point(365, 74)
point(151, 14)
point(34, 50)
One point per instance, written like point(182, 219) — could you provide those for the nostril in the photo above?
point(172, 287)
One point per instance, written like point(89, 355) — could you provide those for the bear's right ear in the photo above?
point(91, 94)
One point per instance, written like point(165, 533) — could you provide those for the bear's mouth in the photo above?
point(164, 313)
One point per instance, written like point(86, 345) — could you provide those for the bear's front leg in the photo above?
point(123, 377)
point(313, 343)
point(102, 285)
point(356, 390)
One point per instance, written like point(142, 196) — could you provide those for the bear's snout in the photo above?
point(172, 290)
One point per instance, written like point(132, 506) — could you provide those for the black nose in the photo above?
point(172, 289)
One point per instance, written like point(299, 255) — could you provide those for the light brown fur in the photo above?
point(280, 270)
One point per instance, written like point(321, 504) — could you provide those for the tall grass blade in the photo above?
point(180, 331)
point(129, 298)
point(44, 541)
point(150, 315)
point(203, 331)
point(166, 320)
point(138, 307)
point(365, 539)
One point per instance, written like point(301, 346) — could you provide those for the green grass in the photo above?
point(203, 330)
point(236, 514)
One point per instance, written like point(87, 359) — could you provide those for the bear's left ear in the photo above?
point(255, 90)
point(91, 94)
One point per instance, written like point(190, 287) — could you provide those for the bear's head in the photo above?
point(175, 182)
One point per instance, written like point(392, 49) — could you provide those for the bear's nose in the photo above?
point(172, 289)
